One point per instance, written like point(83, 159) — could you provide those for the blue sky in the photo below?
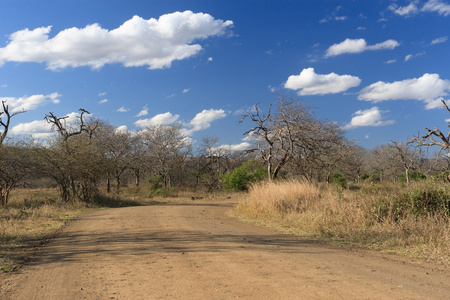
point(376, 68)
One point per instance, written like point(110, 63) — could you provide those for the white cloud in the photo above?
point(123, 109)
point(439, 40)
point(186, 91)
point(103, 101)
point(233, 148)
point(405, 11)
point(121, 129)
point(368, 117)
point(391, 61)
point(161, 119)
point(143, 112)
point(203, 120)
point(426, 88)
point(434, 103)
point(102, 94)
point(358, 46)
point(437, 6)
point(408, 57)
point(36, 129)
point(154, 43)
point(28, 103)
point(310, 83)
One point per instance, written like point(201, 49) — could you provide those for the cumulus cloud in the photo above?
point(28, 103)
point(310, 83)
point(121, 129)
point(358, 46)
point(427, 88)
point(154, 43)
point(368, 117)
point(160, 119)
point(37, 129)
point(203, 120)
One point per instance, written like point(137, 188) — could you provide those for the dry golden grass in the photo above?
point(31, 216)
point(379, 217)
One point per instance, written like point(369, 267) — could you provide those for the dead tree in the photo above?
point(429, 138)
point(5, 123)
point(66, 165)
point(278, 136)
point(60, 125)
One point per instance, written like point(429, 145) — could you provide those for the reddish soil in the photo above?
point(196, 251)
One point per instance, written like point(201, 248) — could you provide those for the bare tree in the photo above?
point(434, 137)
point(168, 147)
point(274, 135)
point(5, 122)
point(291, 133)
point(409, 157)
point(65, 131)
point(117, 148)
point(211, 163)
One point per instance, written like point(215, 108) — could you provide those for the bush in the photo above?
point(157, 188)
point(338, 179)
point(241, 178)
point(413, 176)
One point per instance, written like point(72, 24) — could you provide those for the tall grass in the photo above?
point(411, 220)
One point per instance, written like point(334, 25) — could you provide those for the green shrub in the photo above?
point(419, 200)
point(241, 177)
point(338, 179)
point(413, 176)
point(156, 185)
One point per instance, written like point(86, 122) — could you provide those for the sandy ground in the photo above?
point(196, 251)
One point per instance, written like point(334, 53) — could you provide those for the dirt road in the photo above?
point(195, 251)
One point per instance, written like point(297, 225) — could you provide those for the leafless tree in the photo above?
point(274, 134)
point(168, 147)
point(409, 157)
point(5, 120)
point(292, 134)
point(434, 137)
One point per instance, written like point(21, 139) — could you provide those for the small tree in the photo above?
point(72, 159)
point(11, 160)
point(241, 177)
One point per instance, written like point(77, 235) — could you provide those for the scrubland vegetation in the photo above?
point(411, 219)
point(300, 174)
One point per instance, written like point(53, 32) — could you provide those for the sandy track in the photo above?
point(195, 251)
